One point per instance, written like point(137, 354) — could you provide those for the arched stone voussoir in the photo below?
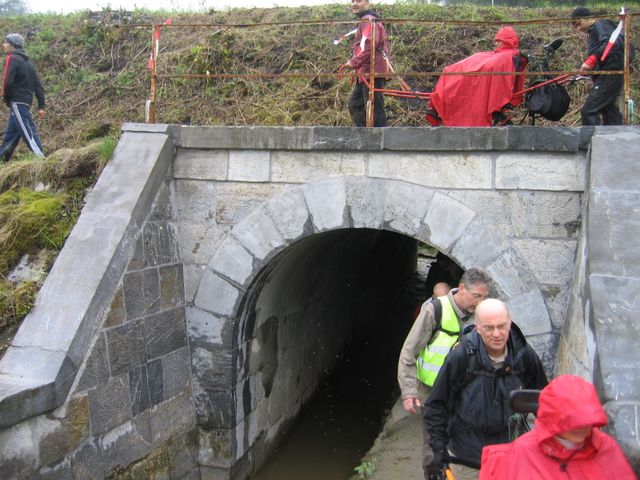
point(233, 261)
point(327, 201)
point(290, 214)
point(217, 295)
point(405, 207)
point(365, 202)
point(481, 243)
point(530, 312)
point(257, 233)
point(445, 221)
point(511, 274)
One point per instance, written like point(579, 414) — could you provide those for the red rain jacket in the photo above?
point(566, 404)
point(361, 50)
point(469, 101)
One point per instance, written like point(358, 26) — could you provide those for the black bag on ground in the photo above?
point(549, 101)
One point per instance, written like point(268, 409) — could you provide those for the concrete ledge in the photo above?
point(514, 138)
point(39, 367)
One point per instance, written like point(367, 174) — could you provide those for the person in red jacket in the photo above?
point(360, 62)
point(566, 442)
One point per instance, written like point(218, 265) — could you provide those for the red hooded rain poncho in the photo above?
point(567, 403)
point(469, 101)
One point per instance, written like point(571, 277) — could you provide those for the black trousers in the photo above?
point(603, 101)
point(358, 104)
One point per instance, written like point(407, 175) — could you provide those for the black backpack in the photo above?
point(549, 101)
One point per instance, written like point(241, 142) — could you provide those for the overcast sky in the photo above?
point(66, 6)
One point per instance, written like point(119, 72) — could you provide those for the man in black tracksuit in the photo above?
point(602, 101)
point(19, 83)
point(468, 407)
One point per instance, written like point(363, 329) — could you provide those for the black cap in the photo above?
point(580, 12)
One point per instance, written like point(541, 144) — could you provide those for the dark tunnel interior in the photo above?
point(323, 325)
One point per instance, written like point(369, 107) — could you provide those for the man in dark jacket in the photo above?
point(19, 83)
point(468, 407)
point(602, 100)
point(360, 62)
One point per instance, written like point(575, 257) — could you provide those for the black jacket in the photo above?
point(468, 406)
point(599, 35)
point(20, 80)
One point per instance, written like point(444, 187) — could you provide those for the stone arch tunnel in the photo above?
point(232, 265)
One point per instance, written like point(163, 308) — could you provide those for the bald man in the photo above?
point(468, 407)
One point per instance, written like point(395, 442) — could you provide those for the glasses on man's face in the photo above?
point(502, 328)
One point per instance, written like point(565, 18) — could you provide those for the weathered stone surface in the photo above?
point(306, 167)
point(201, 164)
point(96, 368)
point(480, 243)
point(326, 201)
point(511, 274)
point(540, 171)
point(197, 241)
point(136, 262)
point(58, 471)
point(249, 165)
point(62, 431)
point(617, 331)
point(290, 214)
point(405, 205)
point(86, 462)
point(192, 276)
point(195, 201)
point(116, 315)
point(213, 367)
point(215, 448)
point(235, 200)
point(216, 295)
point(365, 200)
point(433, 170)
point(621, 174)
point(110, 405)
point(160, 246)
point(545, 346)
point(624, 418)
point(205, 329)
point(551, 261)
point(529, 311)
point(614, 233)
point(556, 299)
point(165, 332)
point(173, 417)
point(554, 139)
point(446, 220)
point(176, 370)
point(526, 214)
point(258, 234)
point(232, 260)
point(347, 138)
point(146, 386)
point(442, 138)
point(126, 346)
point(18, 453)
point(171, 286)
point(122, 446)
point(285, 138)
point(141, 293)
point(214, 408)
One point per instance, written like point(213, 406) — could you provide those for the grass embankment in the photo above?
point(94, 69)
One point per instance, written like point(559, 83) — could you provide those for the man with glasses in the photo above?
point(603, 98)
point(468, 407)
point(435, 330)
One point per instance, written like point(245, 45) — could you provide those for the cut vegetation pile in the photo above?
point(94, 69)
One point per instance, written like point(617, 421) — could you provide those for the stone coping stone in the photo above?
point(39, 367)
point(512, 138)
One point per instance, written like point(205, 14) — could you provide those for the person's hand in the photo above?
point(434, 469)
point(585, 66)
point(343, 67)
point(411, 404)
point(42, 113)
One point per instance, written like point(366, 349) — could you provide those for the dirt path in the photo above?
point(397, 452)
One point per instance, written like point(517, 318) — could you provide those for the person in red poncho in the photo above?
point(470, 100)
point(566, 443)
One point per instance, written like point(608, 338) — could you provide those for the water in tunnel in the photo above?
point(323, 325)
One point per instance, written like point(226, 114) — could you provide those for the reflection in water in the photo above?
point(342, 421)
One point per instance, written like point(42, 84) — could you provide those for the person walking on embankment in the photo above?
point(360, 62)
point(20, 82)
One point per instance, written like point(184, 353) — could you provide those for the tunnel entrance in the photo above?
point(325, 321)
